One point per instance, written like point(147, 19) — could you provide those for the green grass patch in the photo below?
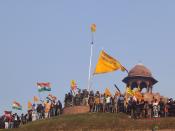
point(97, 121)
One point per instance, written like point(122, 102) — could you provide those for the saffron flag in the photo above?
point(35, 99)
point(93, 28)
point(44, 86)
point(29, 105)
point(16, 106)
point(137, 93)
point(107, 92)
point(106, 64)
point(73, 85)
point(129, 91)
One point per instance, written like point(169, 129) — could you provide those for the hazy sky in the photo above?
point(49, 40)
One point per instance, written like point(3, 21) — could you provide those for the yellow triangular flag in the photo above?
point(93, 28)
point(29, 105)
point(106, 63)
point(73, 85)
point(107, 92)
point(129, 91)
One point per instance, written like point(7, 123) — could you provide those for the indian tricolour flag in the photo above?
point(16, 106)
point(44, 86)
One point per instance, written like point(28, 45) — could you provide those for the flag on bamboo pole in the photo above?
point(106, 64)
point(107, 92)
point(29, 105)
point(93, 28)
point(44, 86)
point(16, 106)
point(35, 99)
point(117, 87)
point(73, 85)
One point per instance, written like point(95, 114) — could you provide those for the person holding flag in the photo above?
point(73, 87)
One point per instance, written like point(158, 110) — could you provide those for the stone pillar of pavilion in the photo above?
point(140, 76)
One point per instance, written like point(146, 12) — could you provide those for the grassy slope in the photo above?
point(96, 121)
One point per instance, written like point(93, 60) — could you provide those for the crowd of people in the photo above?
point(97, 102)
point(135, 108)
point(39, 111)
point(76, 98)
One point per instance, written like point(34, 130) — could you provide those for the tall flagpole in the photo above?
point(93, 29)
point(39, 95)
point(90, 66)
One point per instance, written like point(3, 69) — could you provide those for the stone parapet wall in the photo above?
point(151, 96)
point(75, 110)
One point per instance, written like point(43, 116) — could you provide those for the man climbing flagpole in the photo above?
point(93, 29)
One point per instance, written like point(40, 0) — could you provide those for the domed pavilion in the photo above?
point(140, 76)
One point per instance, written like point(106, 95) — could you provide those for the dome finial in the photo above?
point(140, 62)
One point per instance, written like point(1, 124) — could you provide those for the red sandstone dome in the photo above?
point(140, 70)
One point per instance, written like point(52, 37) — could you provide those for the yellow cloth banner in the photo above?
point(93, 27)
point(73, 85)
point(107, 63)
point(107, 92)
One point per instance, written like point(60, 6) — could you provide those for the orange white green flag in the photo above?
point(16, 106)
point(44, 86)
